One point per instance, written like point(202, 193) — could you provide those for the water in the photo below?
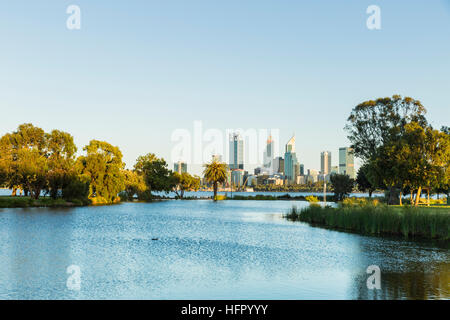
point(206, 250)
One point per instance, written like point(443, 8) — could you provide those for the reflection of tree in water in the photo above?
point(423, 282)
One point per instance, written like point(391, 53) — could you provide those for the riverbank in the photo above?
point(409, 222)
point(42, 202)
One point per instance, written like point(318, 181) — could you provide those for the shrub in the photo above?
point(312, 199)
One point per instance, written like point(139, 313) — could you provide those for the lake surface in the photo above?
point(206, 250)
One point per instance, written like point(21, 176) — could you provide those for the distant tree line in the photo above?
point(36, 163)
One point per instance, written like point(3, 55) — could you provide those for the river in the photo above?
point(205, 250)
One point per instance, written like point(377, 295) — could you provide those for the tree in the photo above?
point(374, 122)
point(363, 180)
point(215, 172)
point(61, 150)
point(6, 158)
point(156, 174)
point(185, 182)
point(103, 165)
point(77, 188)
point(444, 178)
point(342, 185)
point(28, 165)
point(385, 134)
point(134, 184)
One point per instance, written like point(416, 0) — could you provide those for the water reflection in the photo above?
point(206, 250)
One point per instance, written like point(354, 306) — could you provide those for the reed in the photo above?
point(379, 219)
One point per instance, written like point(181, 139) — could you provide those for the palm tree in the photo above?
point(215, 173)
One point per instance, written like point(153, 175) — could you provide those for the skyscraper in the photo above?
point(347, 162)
point(278, 165)
point(325, 162)
point(268, 153)
point(290, 161)
point(236, 152)
point(180, 167)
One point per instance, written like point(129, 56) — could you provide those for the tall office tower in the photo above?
point(290, 161)
point(278, 165)
point(180, 167)
point(268, 153)
point(325, 162)
point(347, 162)
point(302, 169)
point(236, 152)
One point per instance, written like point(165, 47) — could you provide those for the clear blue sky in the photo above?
point(137, 70)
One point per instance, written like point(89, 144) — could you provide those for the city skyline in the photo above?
point(270, 164)
point(231, 64)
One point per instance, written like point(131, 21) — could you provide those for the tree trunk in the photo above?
point(418, 196)
point(215, 191)
point(428, 197)
point(370, 193)
point(14, 192)
point(400, 198)
point(411, 201)
point(36, 194)
point(181, 194)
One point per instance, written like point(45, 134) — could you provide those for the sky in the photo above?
point(137, 71)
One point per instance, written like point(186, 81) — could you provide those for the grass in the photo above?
point(27, 202)
point(378, 219)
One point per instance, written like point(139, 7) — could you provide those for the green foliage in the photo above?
point(401, 152)
point(342, 185)
point(156, 174)
point(379, 219)
point(77, 189)
point(185, 182)
point(103, 166)
point(215, 172)
point(373, 122)
point(134, 186)
point(35, 161)
point(363, 180)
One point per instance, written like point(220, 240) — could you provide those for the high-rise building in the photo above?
point(236, 152)
point(278, 165)
point(237, 177)
point(302, 169)
point(347, 162)
point(325, 162)
point(290, 161)
point(180, 167)
point(313, 176)
point(268, 153)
